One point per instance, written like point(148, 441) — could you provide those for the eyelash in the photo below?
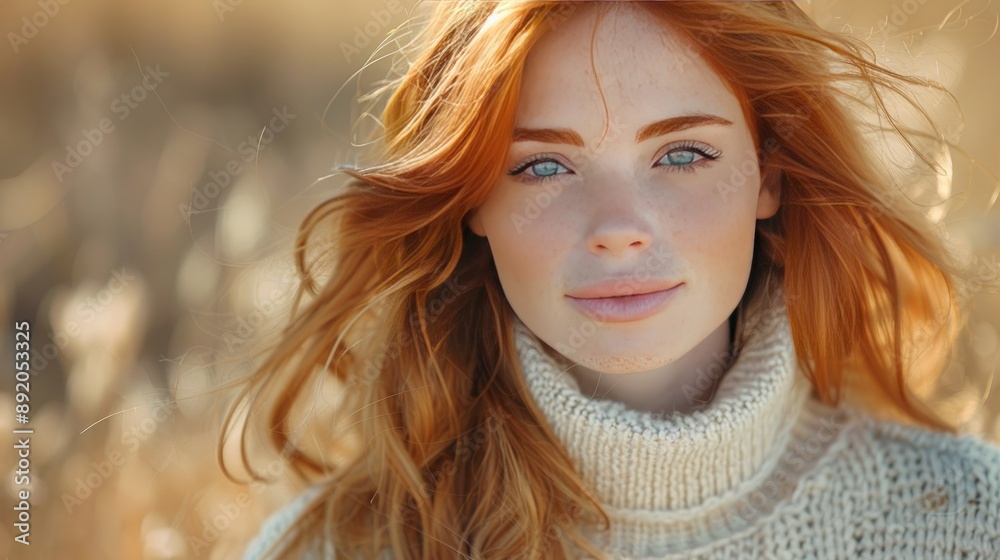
point(708, 154)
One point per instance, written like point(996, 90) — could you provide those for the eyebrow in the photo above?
point(658, 128)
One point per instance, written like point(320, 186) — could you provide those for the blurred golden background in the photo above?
point(155, 160)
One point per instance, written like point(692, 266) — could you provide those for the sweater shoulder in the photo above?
point(278, 523)
point(934, 480)
point(923, 452)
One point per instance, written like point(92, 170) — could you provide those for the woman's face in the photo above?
point(668, 196)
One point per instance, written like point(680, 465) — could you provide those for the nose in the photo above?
point(621, 220)
point(617, 241)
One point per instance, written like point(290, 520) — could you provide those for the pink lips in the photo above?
point(617, 309)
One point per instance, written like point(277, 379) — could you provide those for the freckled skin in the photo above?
point(617, 209)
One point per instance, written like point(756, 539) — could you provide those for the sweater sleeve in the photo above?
point(276, 525)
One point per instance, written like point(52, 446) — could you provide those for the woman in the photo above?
point(627, 281)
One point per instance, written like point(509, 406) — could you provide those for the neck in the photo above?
point(686, 384)
point(674, 481)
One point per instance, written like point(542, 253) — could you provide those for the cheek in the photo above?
point(527, 243)
point(716, 236)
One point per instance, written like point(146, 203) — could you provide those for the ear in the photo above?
point(769, 198)
point(475, 223)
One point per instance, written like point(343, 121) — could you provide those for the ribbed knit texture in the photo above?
point(764, 470)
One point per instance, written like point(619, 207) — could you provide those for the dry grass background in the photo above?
point(128, 299)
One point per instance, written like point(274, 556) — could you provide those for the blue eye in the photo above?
point(546, 168)
point(687, 156)
point(682, 157)
point(539, 169)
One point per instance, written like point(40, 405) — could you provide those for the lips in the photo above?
point(647, 302)
point(621, 287)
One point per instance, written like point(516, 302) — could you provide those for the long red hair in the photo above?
point(436, 450)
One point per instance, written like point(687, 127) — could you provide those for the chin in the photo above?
point(622, 363)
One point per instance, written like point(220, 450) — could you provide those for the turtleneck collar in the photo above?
point(655, 466)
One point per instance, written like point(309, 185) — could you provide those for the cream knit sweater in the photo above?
point(764, 470)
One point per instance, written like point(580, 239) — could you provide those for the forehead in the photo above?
point(645, 70)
